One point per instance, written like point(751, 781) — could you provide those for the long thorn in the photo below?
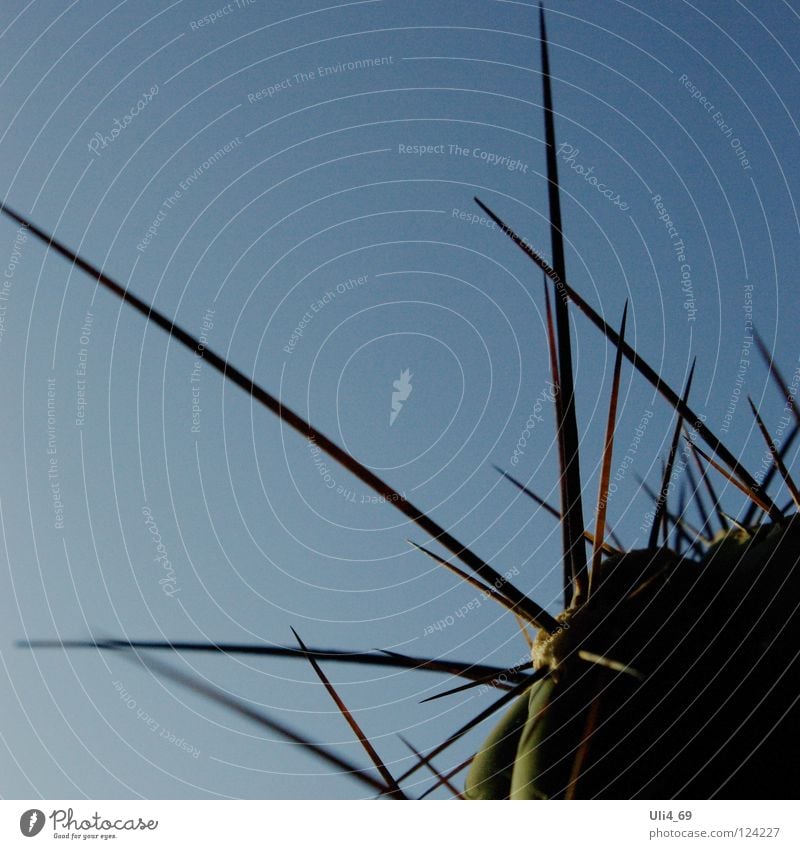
point(783, 453)
point(680, 534)
point(558, 409)
point(712, 493)
point(776, 457)
point(737, 524)
point(587, 535)
point(243, 709)
point(678, 520)
point(661, 502)
point(761, 499)
point(523, 628)
point(472, 671)
point(394, 790)
point(288, 416)
point(697, 500)
point(661, 525)
point(426, 761)
point(575, 549)
point(541, 617)
point(608, 450)
point(477, 720)
point(448, 775)
point(666, 391)
point(489, 680)
point(789, 394)
point(608, 663)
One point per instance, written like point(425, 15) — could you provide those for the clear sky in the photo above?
point(294, 182)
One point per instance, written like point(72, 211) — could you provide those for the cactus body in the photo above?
point(699, 700)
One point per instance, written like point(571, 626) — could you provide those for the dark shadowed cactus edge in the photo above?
point(673, 672)
point(702, 699)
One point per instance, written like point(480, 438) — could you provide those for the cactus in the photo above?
point(677, 678)
point(671, 671)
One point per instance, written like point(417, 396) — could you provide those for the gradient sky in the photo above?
point(250, 184)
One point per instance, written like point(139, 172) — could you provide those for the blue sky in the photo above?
point(218, 170)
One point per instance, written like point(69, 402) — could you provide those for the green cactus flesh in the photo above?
point(698, 695)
